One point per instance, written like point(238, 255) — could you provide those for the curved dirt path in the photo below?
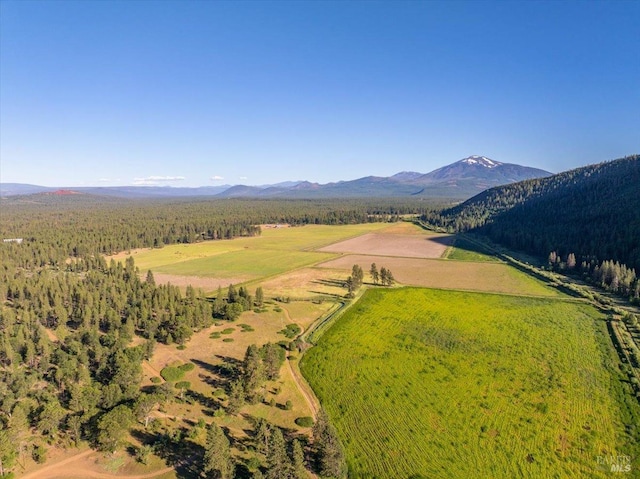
point(65, 469)
point(305, 389)
point(301, 383)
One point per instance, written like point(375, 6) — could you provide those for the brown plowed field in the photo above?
point(407, 246)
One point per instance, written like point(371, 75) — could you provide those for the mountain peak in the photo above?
point(480, 161)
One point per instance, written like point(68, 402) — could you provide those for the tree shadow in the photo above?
point(337, 283)
point(184, 456)
point(229, 369)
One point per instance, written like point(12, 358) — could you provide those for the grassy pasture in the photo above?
point(302, 238)
point(439, 383)
point(217, 263)
point(465, 250)
point(249, 263)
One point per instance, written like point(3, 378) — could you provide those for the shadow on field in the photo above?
point(185, 456)
point(336, 283)
point(328, 295)
point(443, 240)
point(228, 369)
point(212, 404)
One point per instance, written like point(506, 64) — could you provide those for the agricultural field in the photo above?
point(218, 263)
point(449, 274)
point(403, 245)
point(433, 383)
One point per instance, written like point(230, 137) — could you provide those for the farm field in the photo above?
point(218, 263)
point(404, 245)
point(437, 383)
point(449, 274)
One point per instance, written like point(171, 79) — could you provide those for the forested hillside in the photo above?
point(579, 218)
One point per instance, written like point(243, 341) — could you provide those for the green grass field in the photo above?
point(465, 250)
point(431, 383)
point(276, 250)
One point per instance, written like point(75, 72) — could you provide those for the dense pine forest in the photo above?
point(69, 317)
point(587, 219)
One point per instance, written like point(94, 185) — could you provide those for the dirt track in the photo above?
point(68, 469)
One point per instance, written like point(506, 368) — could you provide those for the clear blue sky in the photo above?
point(204, 93)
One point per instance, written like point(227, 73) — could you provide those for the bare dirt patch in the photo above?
point(407, 246)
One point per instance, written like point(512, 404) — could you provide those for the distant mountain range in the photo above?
point(459, 180)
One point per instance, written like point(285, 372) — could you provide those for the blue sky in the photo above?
point(205, 93)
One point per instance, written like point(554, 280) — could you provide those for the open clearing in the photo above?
point(457, 384)
point(208, 354)
point(275, 251)
point(435, 273)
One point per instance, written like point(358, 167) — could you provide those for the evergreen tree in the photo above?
point(374, 273)
point(273, 359)
point(217, 462)
point(150, 280)
point(330, 455)
point(278, 463)
point(232, 294)
point(236, 397)
point(112, 428)
point(298, 468)
point(259, 297)
point(254, 372)
point(262, 435)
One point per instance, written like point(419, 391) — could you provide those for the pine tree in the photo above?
point(259, 297)
point(262, 435)
point(299, 470)
point(278, 463)
point(236, 397)
point(374, 273)
point(217, 462)
point(150, 280)
point(254, 372)
point(329, 451)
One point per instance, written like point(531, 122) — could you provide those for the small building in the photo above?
point(12, 240)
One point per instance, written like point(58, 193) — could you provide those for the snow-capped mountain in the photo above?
point(480, 160)
point(460, 180)
point(484, 171)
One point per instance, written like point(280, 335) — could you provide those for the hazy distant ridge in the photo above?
point(461, 179)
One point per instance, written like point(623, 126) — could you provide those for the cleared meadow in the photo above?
point(436, 273)
point(275, 251)
point(437, 383)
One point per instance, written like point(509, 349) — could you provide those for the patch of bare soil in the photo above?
point(403, 245)
point(83, 466)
